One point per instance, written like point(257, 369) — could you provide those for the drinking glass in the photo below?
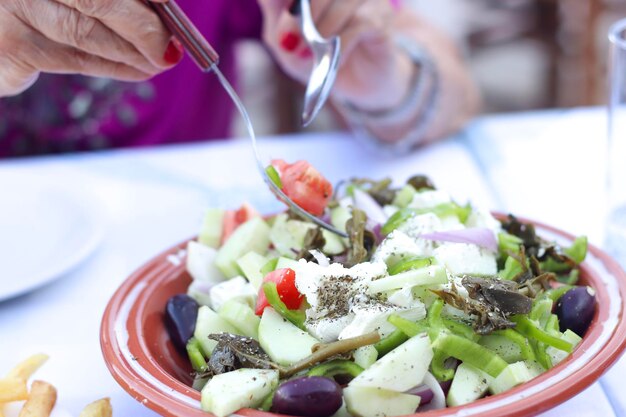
point(616, 179)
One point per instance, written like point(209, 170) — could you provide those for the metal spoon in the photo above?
point(207, 59)
point(325, 64)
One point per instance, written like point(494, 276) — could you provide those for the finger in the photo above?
point(369, 25)
point(337, 17)
point(83, 32)
point(45, 55)
point(132, 20)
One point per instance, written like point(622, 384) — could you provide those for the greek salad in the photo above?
point(427, 304)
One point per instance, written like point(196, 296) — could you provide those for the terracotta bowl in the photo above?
point(142, 359)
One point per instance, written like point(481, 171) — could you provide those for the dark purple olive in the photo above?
point(310, 396)
point(181, 313)
point(575, 309)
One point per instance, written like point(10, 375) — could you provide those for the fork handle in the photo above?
point(189, 36)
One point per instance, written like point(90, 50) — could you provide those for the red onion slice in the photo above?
point(373, 210)
point(480, 236)
point(424, 392)
point(321, 259)
point(439, 399)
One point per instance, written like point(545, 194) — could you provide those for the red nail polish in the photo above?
point(289, 41)
point(174, 52)
point(306, 53)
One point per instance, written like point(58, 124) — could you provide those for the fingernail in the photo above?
point(306, 53)
point(174, 52)
point(289, 41)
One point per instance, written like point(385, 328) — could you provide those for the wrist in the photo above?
point(404, 125)
point(392, 90)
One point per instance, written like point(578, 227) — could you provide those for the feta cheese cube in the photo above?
point(480, 217)
point(429, 199)
point(395, 248)
point(236, 288)
point(328, 330)
point(369, 318)
point(466, 259)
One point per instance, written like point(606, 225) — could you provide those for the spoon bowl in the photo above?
point(326, 53)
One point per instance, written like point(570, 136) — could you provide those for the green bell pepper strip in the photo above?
point(297, 317)
point(198, 363)
point(408, 327)
point(460, 329)
point(509, 243)
point(578, 250)
point(523, 343)
point(570, 279)
point(336, 367)
point(273, 176)
point(411, 263)
point(541, 311)
point(552, 326)
point(470, 352)
point(391, 342)
point(397, 219)
point(556, 293)
point(531, 330)
point(441, 210)
point(438, 366)
point(266, 405)
point(512, 268)
point(269, 266)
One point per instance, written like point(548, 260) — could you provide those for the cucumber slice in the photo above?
point(365, 356)
point(253, 235)
point(513, 375)
point(401, 369)
point(504, 347)
point(404, 196)
point(287, 236)
point(251, 264)
point(209, 322)
point(244, 388)
point(286, 263)
point(339, 216)
point(242, 317)
point(468, 385)
point(211, 229)
point(334, 243)
point(557, 355)
point(283, 341)
point(201, 263)
point(375, 402)
point(431, 275)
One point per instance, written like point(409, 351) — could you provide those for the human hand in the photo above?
point(374, 73)
point(120, 39)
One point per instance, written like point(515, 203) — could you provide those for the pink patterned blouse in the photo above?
point(66, 113)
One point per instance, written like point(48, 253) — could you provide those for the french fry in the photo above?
point(40, 401)
point(12, 389)
point(25, 369)
point(100, 408)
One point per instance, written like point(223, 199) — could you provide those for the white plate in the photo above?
point(45, 231)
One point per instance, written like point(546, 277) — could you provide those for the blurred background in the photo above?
point(557, 49)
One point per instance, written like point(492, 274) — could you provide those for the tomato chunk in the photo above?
point(304, 185)
point(235, 218)
point(285, 280)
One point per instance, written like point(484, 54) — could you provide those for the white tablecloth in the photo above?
point(547, 166)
